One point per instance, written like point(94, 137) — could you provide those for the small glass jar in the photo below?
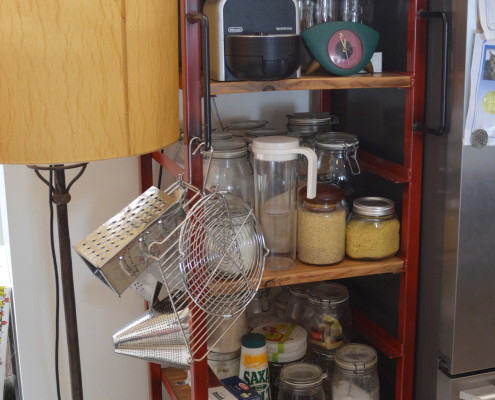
point(229, 169)
point(224, 365)
point(338, 162)
point(326, 362)
point(321, 225)
point(355, 373)
point(328, 321)
point(301, 381)
point(297, 304)
point(281, 300)
point(373, 229)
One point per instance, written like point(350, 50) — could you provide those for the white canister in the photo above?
point(226, 337)
point(254, 364)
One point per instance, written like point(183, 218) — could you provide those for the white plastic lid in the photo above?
point(275, 143)
point(285, 339)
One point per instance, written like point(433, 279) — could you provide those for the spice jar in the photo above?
point(338, 163)
point(329, 317)
point(321, 225)
point(373, 229)
point(301, 381)
point(355, 374)
point(285, 343)
point(229, 168)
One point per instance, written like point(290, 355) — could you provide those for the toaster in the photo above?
point(246, 17)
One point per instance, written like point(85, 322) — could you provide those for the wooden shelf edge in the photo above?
point(316, 82)
point(348, 268)
point(172, 379)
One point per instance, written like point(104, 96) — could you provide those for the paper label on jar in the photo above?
point(326, 332)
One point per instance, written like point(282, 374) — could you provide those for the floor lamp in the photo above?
point(83, 81)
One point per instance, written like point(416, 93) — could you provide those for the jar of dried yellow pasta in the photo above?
point(321, 224)
point(373, 229)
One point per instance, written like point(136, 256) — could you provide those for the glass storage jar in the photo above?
point(321, 224)
point(328, 321)
point(308, 124)
point(338, 161)
point(229, 169)
point(325, 362)
point(297, 304)
point(301, 381)
point(355, 373)
point(224, 365)
point(373, 229)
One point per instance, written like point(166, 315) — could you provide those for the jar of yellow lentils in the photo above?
point(373, 229)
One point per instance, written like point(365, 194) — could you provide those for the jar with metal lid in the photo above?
point(355, 373)
point(301, 381)
point(338, 161)
point(329, 318)
point(238, 128)
point(310, 122)
point(221, 135)
point(321, 225)
point(373, 229)
point(297, 304)
point(228, 168)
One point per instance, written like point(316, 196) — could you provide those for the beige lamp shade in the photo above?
point(84, 80)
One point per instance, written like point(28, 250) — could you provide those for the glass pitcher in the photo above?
point(275, 190)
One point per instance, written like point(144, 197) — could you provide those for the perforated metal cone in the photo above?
point(174, 356)
point(157, 327)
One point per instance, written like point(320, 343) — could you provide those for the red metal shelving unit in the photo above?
point(399, 347)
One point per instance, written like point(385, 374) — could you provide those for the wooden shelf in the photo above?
point(348, 268)
point(316, 82)
point(173, 379)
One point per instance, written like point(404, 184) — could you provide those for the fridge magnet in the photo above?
point(487, 17)
point(481, 107)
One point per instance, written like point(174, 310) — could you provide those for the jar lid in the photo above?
point(328, 294)
point(373, 206)
point(305, 118)
point(336, 140)
point(229, 148)
point(221, 135)
point(253, 340)
point(216, 356)
point(301, 374)
point(259, 132)
point(246, 124)
point(356, 357)
point(326, 194)
point(275, 143)
point(284, 338)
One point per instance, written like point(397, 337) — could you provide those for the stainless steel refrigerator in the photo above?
point(456, 317)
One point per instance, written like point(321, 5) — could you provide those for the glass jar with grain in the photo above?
point(321, 226)
point(373, 229)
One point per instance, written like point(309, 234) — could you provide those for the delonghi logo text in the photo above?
point(283, 28)
point(235, 29)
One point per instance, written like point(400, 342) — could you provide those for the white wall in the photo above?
point(104, 189)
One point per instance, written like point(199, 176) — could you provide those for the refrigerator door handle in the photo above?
point(480, 393)
point(443, 84)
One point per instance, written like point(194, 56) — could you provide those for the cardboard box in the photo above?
point(240, 389)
